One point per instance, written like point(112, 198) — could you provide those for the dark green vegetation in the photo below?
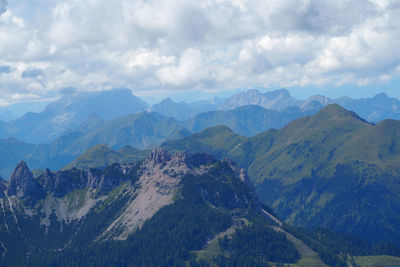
point(256, 245)
point(213, 212)
point(171, 235)
point(332, 169)
point(209, 201)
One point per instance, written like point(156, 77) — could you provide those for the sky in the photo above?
point(192, 49)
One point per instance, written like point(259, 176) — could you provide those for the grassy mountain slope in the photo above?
point(332, 169)
point(102, 155)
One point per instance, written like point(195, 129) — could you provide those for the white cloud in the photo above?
point(187, 44)
point(189, 72)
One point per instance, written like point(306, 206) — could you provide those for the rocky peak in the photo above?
point(3, 187)
point(244, 177)
point(277, 100)
point(22, 183)
point(240, 173)
point(159, 155)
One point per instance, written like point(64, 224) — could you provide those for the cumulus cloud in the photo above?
point(68, 90)
point(32, 73)
point(201, 45)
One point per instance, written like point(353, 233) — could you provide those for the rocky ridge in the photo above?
point(68, 198)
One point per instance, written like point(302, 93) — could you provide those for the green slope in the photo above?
point(102, 155)
point(332, 169)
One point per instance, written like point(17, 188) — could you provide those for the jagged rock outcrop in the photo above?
point(23, 185)
point(112, 176)
point(47, 180)
point(62, 182)
point(159, 155)
point(3, 187)
point(147, 185)
point(278, 100)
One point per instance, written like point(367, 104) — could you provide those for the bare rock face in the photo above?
point(3, 187)
point(23, 185)
point(47, 179)
point(159, 155)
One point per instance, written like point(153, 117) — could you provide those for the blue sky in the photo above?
point(195, 49)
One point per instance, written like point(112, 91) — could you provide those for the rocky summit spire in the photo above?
point(159, 155)
point(22, 183)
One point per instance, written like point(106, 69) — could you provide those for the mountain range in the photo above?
point(70, 111)
point(180, 209)
point(375, 109)
point(315, 163)
point(140, 130)
point(116, 118)
point(333, 169)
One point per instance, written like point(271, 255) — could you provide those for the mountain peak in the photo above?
point(22, 183)
point(381, 96)
point(159, 155)
point(337, 111)
point(252, 92)
point(278, 93)
point(277, 99)
point(167, 100)
point(21, 169)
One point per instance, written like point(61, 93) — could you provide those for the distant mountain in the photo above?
point(207, 105)
point(375, 109)
point(246, 120)
point(184, 111)
point(68, 112)
point(315, 103)
point(183, 209)
point(277, 100)
point(180, 111)
point(141, 130)
point(15, 111)
point(332, 169)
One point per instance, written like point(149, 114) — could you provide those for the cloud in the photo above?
point(199, 45)
point(33, 73)
point(190, 70)
point(68, 91)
